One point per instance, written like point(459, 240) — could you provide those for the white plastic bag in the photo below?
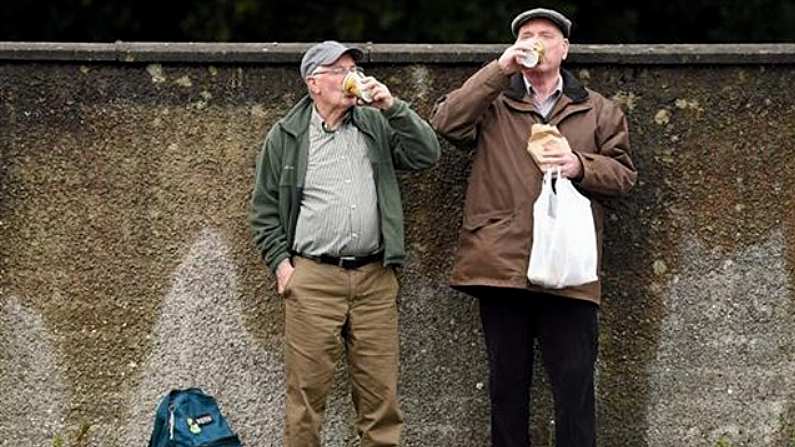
point(564, 237)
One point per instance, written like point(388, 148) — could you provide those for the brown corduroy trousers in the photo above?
point(328, 309)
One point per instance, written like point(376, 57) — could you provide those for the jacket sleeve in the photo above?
point(610, 172)
point(266, 224)
point(412, 141)
point(456, 115)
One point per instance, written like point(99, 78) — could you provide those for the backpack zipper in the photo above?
point(229, 441)
point(171, 422)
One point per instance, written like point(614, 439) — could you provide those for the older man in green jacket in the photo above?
point(327, 218)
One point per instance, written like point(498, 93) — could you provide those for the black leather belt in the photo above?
point(346, 262)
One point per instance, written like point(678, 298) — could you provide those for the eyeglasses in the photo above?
point(338, 70)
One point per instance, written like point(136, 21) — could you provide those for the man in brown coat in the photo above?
point(494, 111)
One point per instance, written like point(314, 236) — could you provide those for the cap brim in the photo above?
point(355, 53)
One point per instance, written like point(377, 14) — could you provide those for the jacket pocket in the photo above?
point(475, 223)
point(287, 176)
point(490, 249)
point(288, 286)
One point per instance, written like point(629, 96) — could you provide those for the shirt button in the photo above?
point(354, 235)
point(347, 180)
point(353, 207)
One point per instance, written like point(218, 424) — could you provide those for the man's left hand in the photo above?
point(382, 97)
point(569, 164)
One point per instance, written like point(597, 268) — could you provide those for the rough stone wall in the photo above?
point(126, 266)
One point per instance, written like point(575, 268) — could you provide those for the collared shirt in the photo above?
point(339, 209)
point(544, 106)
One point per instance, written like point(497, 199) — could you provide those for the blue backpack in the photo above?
point(191, 418)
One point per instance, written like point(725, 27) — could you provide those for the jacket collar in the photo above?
point(572, 88)
point(298, 118)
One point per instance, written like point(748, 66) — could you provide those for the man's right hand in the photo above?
point(507, 61)
point(283, 274)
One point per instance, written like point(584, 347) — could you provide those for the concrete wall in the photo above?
point(126, 267)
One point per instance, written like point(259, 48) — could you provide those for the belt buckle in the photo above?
point(344, 259)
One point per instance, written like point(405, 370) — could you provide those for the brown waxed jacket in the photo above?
point(493, 112)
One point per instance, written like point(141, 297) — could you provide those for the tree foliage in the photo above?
point(418, 21)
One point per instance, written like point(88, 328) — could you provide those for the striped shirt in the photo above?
point(339, 209)
point(544, 106)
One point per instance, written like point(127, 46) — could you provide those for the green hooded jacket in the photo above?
point(396, 138)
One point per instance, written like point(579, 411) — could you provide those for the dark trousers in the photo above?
point(567, 331)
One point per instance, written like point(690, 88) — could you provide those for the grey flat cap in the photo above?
point(561, 21)
point(326, 53)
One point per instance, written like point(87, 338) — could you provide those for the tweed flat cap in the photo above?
point(561, 21)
